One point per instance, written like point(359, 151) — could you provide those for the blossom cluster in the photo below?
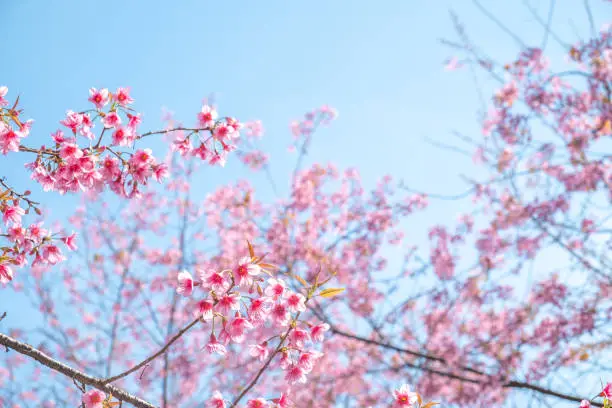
point(302, 130)
point(247, 297)
point(212, 140)
point(26, 240)
point(581, 119)
point(70, 167)
point(12, 129)
point(81, 160)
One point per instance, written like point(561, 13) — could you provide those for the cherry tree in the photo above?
point(161, 295)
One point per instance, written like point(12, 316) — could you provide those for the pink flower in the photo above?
point(70, 241)
point(134, 121)
point(280, 315)
point(228, 147)
point(217, 158)
point(36, 232)
point(6, 273)
point(183, 146)
point(237, 328)
point(204, 309)
point(585, 404)
point(3, 92)
point(296, 302)
point(13, 214)
point(276, 288)
point(111, 120)
point(229, 302)
point(9, 139)
point(286, 361)
point(318, 331)
point(16, 233)
point(254, 129)
point(306, 360)
point(299, 336)
point(142, 158)
point(214, 346)
point(98, 98)
point(216, 401)
point(607, 391)
point(295, 374)
point(86, 125)
point(201, 152)
point(258, 403)
point(404, 397)
point(234, 125)
point(141, 173)
point(245, 271)
point(73, 120)
point(122, 96)
point(185, 283)
point(70, 152)
point(259, 351)
point(87, 164)
point(259, 309)
point(207, 117)
point(282, 401)
point(110, 168)
point(160, 172)
point(122, 136)
point(222, 131)
point(93, 399)
point(52, 254)
point(214, 280)
point(58, 136)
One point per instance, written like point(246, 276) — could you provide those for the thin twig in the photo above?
point(154, 356)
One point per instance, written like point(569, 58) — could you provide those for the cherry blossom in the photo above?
point(258, 403)
point(404, 397)
point(606, 392)
point(185, 283)
point(94, 399)
point(216, 401)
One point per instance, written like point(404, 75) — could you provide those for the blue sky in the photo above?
point(379, 63)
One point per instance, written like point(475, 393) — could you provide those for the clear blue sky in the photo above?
point(379, 63)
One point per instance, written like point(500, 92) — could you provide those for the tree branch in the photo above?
point(154, 356)
point(508, 384)
point(99, 383)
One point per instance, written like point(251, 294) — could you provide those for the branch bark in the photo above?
point(99, 383)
